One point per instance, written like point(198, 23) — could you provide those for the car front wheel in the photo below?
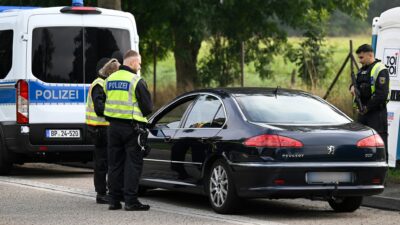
point(221, 189)
point(345, 204)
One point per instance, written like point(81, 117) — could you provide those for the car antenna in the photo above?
point(276, 91)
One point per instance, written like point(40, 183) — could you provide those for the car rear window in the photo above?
point(289, 109)
point(70, 54)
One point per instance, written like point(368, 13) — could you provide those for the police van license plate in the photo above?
point(329, 177)
point(63, 133)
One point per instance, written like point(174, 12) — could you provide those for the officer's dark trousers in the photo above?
point(377, 120)
point(99, 137)
point(125, 162)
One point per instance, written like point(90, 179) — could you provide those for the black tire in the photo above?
point(5, 160)
point(224, 189)
point(345, 204)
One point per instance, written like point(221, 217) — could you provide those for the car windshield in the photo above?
point(289, 108)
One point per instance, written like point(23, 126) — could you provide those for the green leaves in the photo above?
point(181, 26)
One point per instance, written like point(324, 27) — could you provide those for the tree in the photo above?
point(184, 25)
point(109, 4)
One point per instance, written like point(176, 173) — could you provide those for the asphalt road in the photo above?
point(53, 194)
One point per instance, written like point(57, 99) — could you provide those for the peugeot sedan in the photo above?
point(236, 143)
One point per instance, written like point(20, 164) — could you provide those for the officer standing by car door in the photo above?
point(127, 105)
point(97, 127)
point(373, 84)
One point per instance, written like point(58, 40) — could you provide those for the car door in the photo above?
point(165, 123)
point(195, 140)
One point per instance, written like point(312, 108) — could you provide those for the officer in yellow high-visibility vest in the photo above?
point(97, 126)
point(127, 104)
point(373, 84)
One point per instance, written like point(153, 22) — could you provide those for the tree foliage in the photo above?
point(181, 26)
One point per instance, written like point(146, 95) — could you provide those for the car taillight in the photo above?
point(272, 141)
point(371, 141)
point(22, 102)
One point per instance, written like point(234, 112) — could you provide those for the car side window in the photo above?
point(206, 113)
point(220, 118)
point(173, 118)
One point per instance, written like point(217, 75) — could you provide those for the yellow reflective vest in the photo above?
point(91, 117)
point(378, 67)
point(121, 102)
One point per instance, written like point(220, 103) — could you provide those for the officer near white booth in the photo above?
point(373, 84)
point(128, 103)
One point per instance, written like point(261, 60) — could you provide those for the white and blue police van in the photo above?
point(386, 44)
point(48, 59)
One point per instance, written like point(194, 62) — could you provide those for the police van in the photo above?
point(386, 44)
point(48, 59)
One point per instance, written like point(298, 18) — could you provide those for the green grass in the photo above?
point(283, 70)
point(393, 176)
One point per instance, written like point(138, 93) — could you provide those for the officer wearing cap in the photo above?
point(373, 84)
point(97, 127)
point(127, 105)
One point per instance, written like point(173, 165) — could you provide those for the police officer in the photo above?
point(97, 127)
point(373, 84)
point(127, 105)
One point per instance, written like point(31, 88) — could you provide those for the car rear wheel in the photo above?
point(345, 204)
point(221, 189)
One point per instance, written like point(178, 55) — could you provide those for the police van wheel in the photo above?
point(5, 161)
point(221, 189)
point(345, 204)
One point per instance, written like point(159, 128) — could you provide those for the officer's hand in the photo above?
point(352, 90)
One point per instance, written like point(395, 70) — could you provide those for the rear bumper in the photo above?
point(20, 142)
point(257, 180)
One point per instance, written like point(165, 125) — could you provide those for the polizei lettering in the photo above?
point(117, 85)
point(57, 94)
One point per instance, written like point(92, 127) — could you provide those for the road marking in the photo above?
point(167, 208)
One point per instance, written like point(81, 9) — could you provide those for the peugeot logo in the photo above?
point(331, 150)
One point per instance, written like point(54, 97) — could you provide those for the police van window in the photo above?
point(102, 42)
point(6, 44)
point(70, 54)
point(57, 54)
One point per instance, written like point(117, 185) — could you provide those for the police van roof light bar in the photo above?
point(77, 2)
point(80, 10)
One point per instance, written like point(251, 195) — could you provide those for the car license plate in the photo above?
point(63, 133)
point(329, 177)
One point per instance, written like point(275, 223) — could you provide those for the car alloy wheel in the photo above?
point(221, 188)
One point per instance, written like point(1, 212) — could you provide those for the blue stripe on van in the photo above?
point(56, 93)
point(42, 93)
point(8, 96)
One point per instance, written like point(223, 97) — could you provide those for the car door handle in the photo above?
point(167, 138)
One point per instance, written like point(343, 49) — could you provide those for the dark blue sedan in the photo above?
point(237, 143)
